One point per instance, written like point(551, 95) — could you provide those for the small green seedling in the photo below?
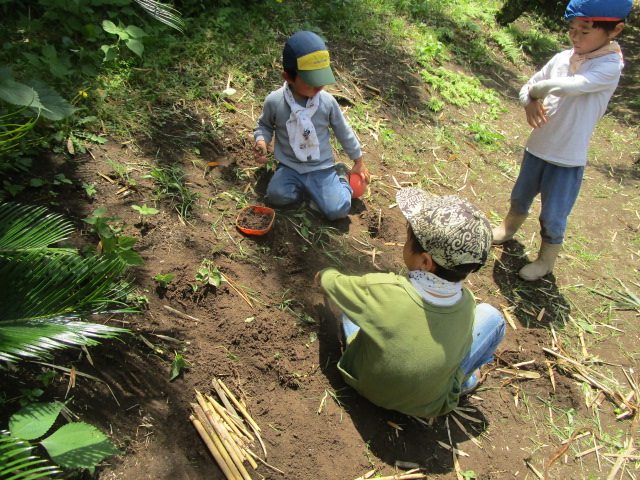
point(178, 364)
point(90, 189)
point(209, 274)
point(121, 247)
point(99, 222)
point(144, 210)
point(164, 280)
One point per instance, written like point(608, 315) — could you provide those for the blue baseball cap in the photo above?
point(598, 10)
point(306, 54)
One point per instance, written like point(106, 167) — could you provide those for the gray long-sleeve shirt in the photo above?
point(276, 112)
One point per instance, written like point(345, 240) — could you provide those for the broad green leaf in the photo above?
point(126, 242)
point(131, 258)
point(135, 32)
point(110, 27)
point(49, 53)
point(34, 420)
point(59, 69)
point(110, 53)
point(136, 46)
point(18, 94)
point(178, 363)
point(78, 445)
point(54, 107)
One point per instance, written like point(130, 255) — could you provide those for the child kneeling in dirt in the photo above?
point(415, 343)
point(299, 115)
point(563, 103)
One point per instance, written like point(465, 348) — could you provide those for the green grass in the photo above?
point(170, 183)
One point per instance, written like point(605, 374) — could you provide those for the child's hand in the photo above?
point(260, 151)
point(360, 169)
point(536, 113)
point(316, 280)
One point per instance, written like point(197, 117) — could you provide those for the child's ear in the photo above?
point(286, 77)
point(428, 265)
point(616, 31)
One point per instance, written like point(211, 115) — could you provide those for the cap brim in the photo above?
point(318, 78)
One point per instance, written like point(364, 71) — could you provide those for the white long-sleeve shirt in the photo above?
point(574, 104)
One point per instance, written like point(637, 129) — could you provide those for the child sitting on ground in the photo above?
point(415, 343)
point(299, 115)
point(563, 102)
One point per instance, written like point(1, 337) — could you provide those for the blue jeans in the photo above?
point(330, 194)
point(488, 331)
point(558, 188)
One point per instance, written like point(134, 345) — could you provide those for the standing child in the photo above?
point(415, 343)
point(563, 102)
point(299, 115)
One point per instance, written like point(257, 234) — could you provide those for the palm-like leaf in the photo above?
point(17, 462)
point(44, 291)
point(26, 226)
point(164, 13)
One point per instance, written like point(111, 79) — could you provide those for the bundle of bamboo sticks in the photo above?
point(225, 433)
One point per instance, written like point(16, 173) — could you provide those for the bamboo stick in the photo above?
point(212, 448)
point(232, 447)
point(264, 463)
point(239, 406)
point(222, 390)
point(223, 434)
point(224, 420)
point(223, 398)
point(262, 445)
point(410, 476)
point(217, 441)
point(243, 450)
point(239, 429)
point(456, 463)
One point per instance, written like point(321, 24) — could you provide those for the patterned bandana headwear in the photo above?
point(452, 230)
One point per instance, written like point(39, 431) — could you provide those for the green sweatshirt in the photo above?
point(407, 354)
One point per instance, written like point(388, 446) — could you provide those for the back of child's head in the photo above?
point(452, 230)
point(306, 54)
point(604, 14)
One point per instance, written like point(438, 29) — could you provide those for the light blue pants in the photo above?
point(488, 332)
point(558, 188)
point(330, 194)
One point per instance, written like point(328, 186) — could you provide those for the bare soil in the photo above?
point(278, 349)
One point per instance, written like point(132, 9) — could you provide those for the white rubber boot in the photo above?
point(508, 228)
point(543, 264)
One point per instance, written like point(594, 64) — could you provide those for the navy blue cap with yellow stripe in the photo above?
point(307, 54)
